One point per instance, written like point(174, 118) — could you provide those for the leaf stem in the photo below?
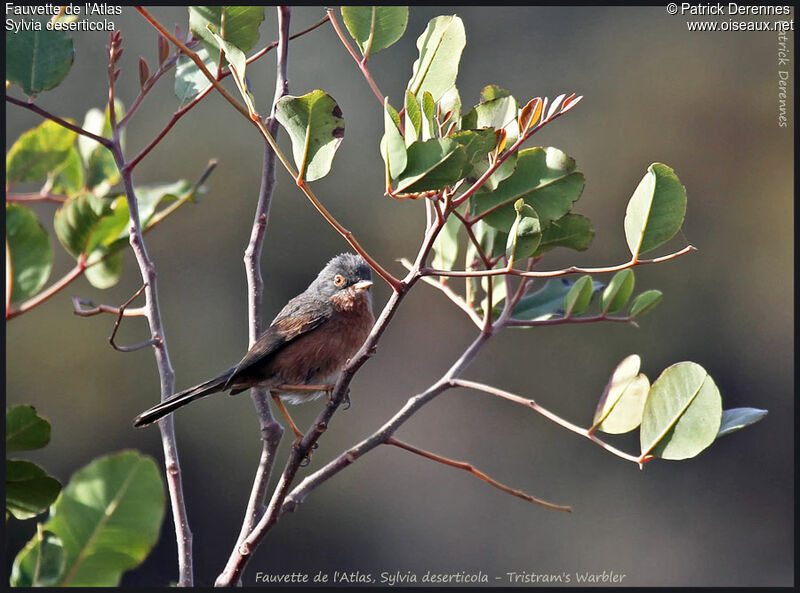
point(362, 64)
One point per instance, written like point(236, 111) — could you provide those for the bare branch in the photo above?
point(62, 122)
point(549, 415)
point(477, 473)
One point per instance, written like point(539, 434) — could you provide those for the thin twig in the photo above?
point(549, 415)
point(362, 63)
point(450, 294)
point(166, 425)
point(555, 273)
point(468, 467)
point(62, 122)
point(35, 197)
point(271, 430)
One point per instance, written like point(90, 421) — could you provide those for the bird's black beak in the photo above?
point(362, 285)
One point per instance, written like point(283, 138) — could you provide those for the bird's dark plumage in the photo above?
point(307, 343)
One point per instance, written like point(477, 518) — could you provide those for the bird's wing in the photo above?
point(292, 322)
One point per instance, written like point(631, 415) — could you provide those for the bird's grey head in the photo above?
point(346, 271)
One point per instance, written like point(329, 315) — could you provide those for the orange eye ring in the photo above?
point(338, 280)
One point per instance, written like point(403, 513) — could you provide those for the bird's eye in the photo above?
point(338, 280)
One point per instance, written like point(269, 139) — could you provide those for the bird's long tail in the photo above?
point(181, 399)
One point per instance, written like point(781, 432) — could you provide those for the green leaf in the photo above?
point(240, 27)
point(433, 164)
point(413, 119)
point(544, 303)
point(477, 144)
point(40, 563)
point(77, 220)
point(682, 414)
point(491, 92)
point(101, 170)
point(189, 79)
point(621, 406)
point(737, 418)
point(571, 230)
point(440, 47)
point(25, 429)
point(498, 113)
point(31, 254)
point(108, 518)
point(68, 178)
point(429, 117)
point(445, 247)
point(525, 234)
point(38, 152)
point(38, 60)
point(544, 177)
point(106, 273)
point(29, 490)
point(579, 296)
point(315, 125)
point(655, 211)
point(393, 148)
point(375, 27)
point(618, 291)
point(238, 66)
point(645, 302)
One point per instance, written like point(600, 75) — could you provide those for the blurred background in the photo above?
point(706, 104)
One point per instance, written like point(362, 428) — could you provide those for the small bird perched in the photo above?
point(305, 347)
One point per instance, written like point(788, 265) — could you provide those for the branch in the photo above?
point(566, 320)
point(256, 121)
point(477, 473)
point(35, 197)
point(362, 63)
point(275, 509)
point(554, 273)
point(62, 122)
point(53, 289)
point(450, 294)
point(166, 426)
point(271, 431)
point(550, 416)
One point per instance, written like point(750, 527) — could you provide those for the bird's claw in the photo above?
point(307, 456)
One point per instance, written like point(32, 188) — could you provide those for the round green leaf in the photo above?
point(622, 403)
point(737, 418)
point(68, 178)
point(645, 302)
point(29, 490)
point(375, 27)
point(433, 164)
point(40, 563)
point(101, 169)
point(655, 211)
point(571, 230)
point(618, 291)
point(579, 296)
point(38, 60)
point(108, 518)
point(543, 303)
point(25, 429)
point(31, 254)
point(682, 414)
point(38, 152)
point(77, 221)
point(440, 47)
point(544, 177)
point(316, 128)
point(189, 79)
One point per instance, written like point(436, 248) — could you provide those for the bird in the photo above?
point(301, 353)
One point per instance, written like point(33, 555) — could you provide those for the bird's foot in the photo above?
point(345, 397)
